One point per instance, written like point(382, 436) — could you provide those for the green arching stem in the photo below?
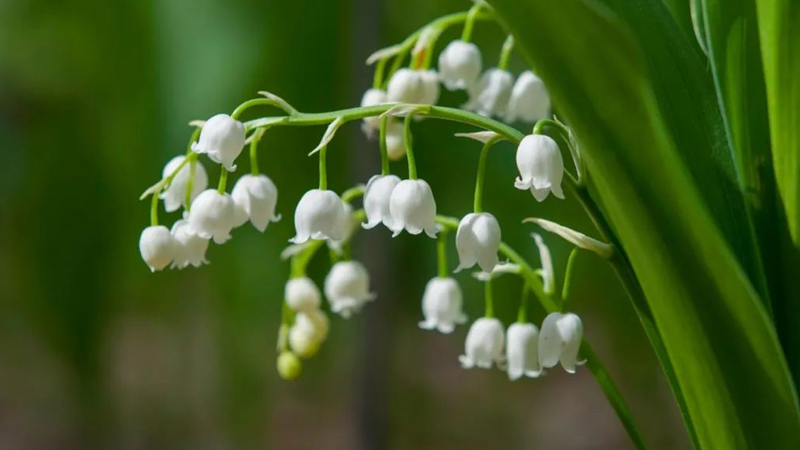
point(259, 101)
point(505, 53)
point(441, 254)
point(377, 80)
point(489, 299)
point(522, 312)
point(154, 210)
point(223, 180)
point(384, 152)
point(323, 169)
point(426, 63)
point(469, 23)
point(254, 141)
point(481, 177)
point(412, 163)
point(573, 255)
point(190, 185)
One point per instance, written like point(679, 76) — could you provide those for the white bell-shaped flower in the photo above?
point(376, 200)
point(477, 241)
point(560, 341)
point(347, 287)
point(301, 294)
point(213, 215)
point(522, 351)
point(319, 215)
point(222, 139)
point(372, 97)
point(157, 247)
point(255, 197)
point(174, 195)
point(413, 86)
point(191, 248)
point(442, 305)
point(484, 345)
point(413, 208)
point(490, 96)
point(530, 101)
point(395, 141)
point(540, 165)
point(349, 225)
point(460, 65)
point(308, 332)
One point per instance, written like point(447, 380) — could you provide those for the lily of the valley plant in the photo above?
point(680, 139)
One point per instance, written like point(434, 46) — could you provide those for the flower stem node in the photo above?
point(222, 139)
point(301, 294)
point(522, 351)
point(376, 200)
point(413, 208)
point(460, 65)
point(529, 100)
point(319, 215)
point(191, 248)
point(395, 143)
point(347, 287)
point(157, 246)
point(560, 341)
point(289, 366)
point(174, 195)
point(484, 345)
point(541, 166)
point(372, 97)
point(309, 331)
point(413, 86)
point(213, 215)
point(489, 97)
point(442, 305)
point(477, 241)
point(255, 197)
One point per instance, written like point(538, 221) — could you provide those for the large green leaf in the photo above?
point(660, 163)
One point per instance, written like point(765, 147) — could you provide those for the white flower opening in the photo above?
point(442, 305)
point(213, 215)
point(477, 241)
point(255, 197)
point(522, 351)
point(157, 247)
point(301, 294)
point(489, 97)
point(222, 139)
point(413, 208)
point(530, 101)
point(191, 248)
point(484, 345)
point(460, 65)
point(347, 288)
point(174, 196)
point(376, 200)
point(319, 215)
point(541, 166)
point(560, 341)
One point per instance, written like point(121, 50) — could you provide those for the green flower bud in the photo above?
point(289, 366)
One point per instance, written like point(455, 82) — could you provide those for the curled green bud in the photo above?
point(289, 366)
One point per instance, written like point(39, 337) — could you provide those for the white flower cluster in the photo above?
point(209, 213)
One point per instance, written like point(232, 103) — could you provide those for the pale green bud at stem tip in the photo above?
point(289, 366)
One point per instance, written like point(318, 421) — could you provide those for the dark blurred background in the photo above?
point(97, 352)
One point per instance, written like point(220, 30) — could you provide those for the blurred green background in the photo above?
point(97, 352)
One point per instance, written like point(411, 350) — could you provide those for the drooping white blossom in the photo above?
point(560, 341)
point(319, 215)
point(372, 97)
point(477, 241)
point(347, 287)
point(530, 101)
point(484, 344)
point(222, 139)
point(157, 247)
point(540, 165)
point(413, 208)
point(442, 305)
point(308, 332)
point(413, 86)
point(191, 248)
point(395, 142)
point(522, 351)
point(349, 224)
point(460, 65)
point(430, 84)
point(255, 197)
point(489, 97)
point(213, 215)
point(174, 195)
point(301, 294)
point(376, 200)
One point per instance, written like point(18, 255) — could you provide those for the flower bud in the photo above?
point(157, 247)
point(395, 142)
point(530, 101)
point(347, 287)
point(460, 65)
point(490, 96)
point(484, 345)
point(372, 97)
point(560, 341)
point(309, 331)
point(376, 200)
point(301, 294)
point(413, 86)
point(430, 85)
point(191, 248)
point(319, 215)
point(289, 366)
point(477, 241)
point(255, 197)
point(222, 139)
point(213, 216)
point(441, 305)
point(174, 195)
point(522, 351)
point(413, 208)
point(540, 165)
